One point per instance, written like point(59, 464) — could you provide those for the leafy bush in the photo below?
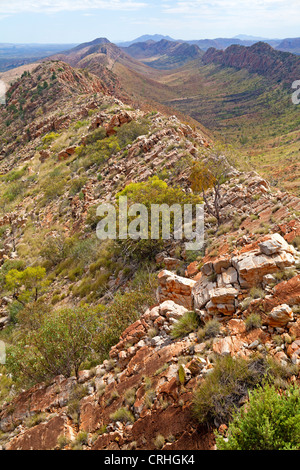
point(77, 185)
point(55, 249)
point(59, 344)
point(186, 324)
point(14, 175)
point(129, 132)
point(13, 191)
point(99, 151)
point(226, 388)
point(153, 191)
point(270, 421)
point(98, 134)
point(124, 310)
point(27, 284)
point(49, 138)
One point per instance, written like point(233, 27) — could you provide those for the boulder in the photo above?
point(275, 244)
point(280, 316)
point(176, 288)
point(170, 309)
point(253, 267)
point(223, 295)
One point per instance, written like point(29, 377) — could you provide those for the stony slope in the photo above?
point(260, 58)
point(242, 95)
point(142, 374)
point(50, 180)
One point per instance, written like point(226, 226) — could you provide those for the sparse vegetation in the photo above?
point(253, 321)
point(186, 324)
point(123, 415)
point(227, 387)
point(210, 330)
point(269, 421)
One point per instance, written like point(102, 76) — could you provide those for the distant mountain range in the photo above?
point(154, 50)
point(164, 54)
point(146, 37)
point(241, 93)
point(286, 45)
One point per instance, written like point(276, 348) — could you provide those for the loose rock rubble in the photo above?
point(236, 276)
point(142, 373)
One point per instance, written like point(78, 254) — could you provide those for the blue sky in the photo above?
point(75, 21)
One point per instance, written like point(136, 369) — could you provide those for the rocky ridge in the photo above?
point(250, 265)
point(259, 58)
point(142, 375)
point(144, 365)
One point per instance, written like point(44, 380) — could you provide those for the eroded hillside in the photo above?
point(243, 95)
point(165, 321)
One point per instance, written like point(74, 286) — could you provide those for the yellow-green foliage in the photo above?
point(270, 421)
point(153, 191)
point(49, 138)
point(27, 284)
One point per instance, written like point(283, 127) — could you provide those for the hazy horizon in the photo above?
point(74, 21)
point(145, 34)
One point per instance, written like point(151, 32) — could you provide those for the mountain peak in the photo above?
point(95, 42)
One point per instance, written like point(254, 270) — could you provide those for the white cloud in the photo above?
point(244, 15)
point(8, 7)
point(200, 7)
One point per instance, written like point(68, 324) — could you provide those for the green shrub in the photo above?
point(129, 132)
point(149, 397)
point(245, 303)
point(13, 191)
point(81, 439)
point(14, 308)
point(210, 330)
point(253, 321)
point(188, 323)
point(270, 421)
point(55, 249)
point(129, 396)
point(123, 415)
point(49, 138)
point(227, 387)
point(26, 285)
point(76, 395)
point(123, 311)
point(35, 419)
point(6, 384)
point(98, 134)
point(62, 441)
point(14, 175)
point(60, 343)
point(153, 191)
point(257, 293)
point(285, 275)
point(77, 185)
